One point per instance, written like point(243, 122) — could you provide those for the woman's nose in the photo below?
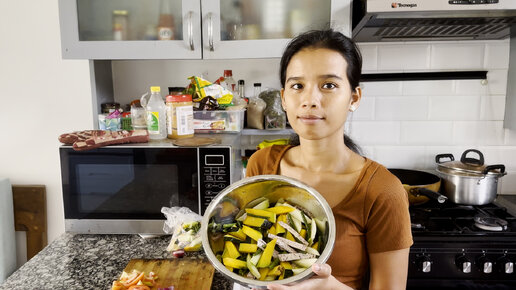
point(311, 98)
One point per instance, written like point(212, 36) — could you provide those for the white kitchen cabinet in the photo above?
point(203, 29)
point(128, 29)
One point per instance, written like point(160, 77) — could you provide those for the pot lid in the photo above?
point(469, 165)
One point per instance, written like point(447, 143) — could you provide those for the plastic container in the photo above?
point(179, 116)
point(218, 121)
point(156, 114)
point(138, 116)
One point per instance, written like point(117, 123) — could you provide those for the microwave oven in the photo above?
point(121, 189)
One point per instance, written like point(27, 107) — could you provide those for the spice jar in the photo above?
point(179, 116)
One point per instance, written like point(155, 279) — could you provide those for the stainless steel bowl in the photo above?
point(273, 187)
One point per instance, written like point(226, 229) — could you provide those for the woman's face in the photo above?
point(317, 94)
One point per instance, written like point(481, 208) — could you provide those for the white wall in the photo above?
point(41, 97)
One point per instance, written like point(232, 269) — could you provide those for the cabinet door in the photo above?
point(130, 29)
point(262, 28)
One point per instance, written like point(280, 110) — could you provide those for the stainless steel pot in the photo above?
point(469, 181)
point(273, 187)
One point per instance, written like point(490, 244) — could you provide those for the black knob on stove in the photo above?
point(484, 264)
point(505, 265)
point(463, 263)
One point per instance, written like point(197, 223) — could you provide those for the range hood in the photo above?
point(415, 20)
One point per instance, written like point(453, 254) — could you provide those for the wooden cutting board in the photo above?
point(182, 273)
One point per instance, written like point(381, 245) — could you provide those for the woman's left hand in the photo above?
point(322, 280)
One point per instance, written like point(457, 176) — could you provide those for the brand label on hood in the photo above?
point(403, 5)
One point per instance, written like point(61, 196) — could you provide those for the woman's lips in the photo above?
point(310, 119)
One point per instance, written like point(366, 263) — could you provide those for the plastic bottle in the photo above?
point(156, 115)
point(229, 83)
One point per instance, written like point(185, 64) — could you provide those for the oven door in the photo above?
point(122, 189)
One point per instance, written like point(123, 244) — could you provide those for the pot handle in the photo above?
point(431, 194)
point(446, 155)
point(468, 160)
point(494, 167)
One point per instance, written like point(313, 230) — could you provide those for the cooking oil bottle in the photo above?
point(156, 114)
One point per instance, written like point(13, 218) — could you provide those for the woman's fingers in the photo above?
point(277, 287)
point(321, 270)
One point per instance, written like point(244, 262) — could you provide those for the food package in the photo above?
point(184, 225)
point(201, 88)
point(274, 116)
point(255, 113)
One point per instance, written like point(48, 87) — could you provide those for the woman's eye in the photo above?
point(329, 86)
point(297, 86)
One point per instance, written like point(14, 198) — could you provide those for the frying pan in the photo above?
point(420, 185)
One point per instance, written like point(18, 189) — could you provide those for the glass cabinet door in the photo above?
point(262, 28)
point(130, 29)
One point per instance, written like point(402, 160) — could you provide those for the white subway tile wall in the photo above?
point(407, 123)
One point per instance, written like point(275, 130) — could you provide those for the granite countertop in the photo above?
point(76, 261)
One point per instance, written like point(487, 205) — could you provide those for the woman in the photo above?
point(320, 72)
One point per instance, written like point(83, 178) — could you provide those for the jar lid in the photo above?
point(469, 166)
point(179, 98)
point(155, 89)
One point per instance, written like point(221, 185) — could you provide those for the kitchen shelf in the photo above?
point(255, 132)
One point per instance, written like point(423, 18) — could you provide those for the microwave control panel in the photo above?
point(215, 173)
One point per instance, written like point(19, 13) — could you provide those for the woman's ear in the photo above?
point(282, 91)
point(356, 96)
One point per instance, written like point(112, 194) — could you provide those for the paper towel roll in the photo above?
point(7, 238)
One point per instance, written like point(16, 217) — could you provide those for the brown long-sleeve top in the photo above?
point(372, 218)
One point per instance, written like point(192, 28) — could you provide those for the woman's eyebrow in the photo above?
point(293, 79)
point(327, 76)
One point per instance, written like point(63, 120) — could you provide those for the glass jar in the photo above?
point(179, 116)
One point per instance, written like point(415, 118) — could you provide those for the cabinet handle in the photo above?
point(190, 30)
point(210, 31)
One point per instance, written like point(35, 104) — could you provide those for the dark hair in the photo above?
point(333, 40)
point(329, 39)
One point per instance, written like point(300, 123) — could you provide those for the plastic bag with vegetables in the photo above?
point(184, 225)
point(202, 90)
point(274, 116)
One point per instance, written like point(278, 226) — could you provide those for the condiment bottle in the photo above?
point(229, 82)
point(156, 115)
point(179, 116)
point(166, 21)
point(120, 25)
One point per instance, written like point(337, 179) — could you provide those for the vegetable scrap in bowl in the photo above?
point(266, 241)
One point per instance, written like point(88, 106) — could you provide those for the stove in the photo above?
point(462, 247)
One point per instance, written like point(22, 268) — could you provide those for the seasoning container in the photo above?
point(120, 24)
point(166, 21)
point(108, 108)
point(179, 116)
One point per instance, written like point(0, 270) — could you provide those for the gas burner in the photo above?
point(490, 223)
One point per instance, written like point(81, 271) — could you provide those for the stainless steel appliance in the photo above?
point(462, 247)
point(121, 189)
point(413, 20)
